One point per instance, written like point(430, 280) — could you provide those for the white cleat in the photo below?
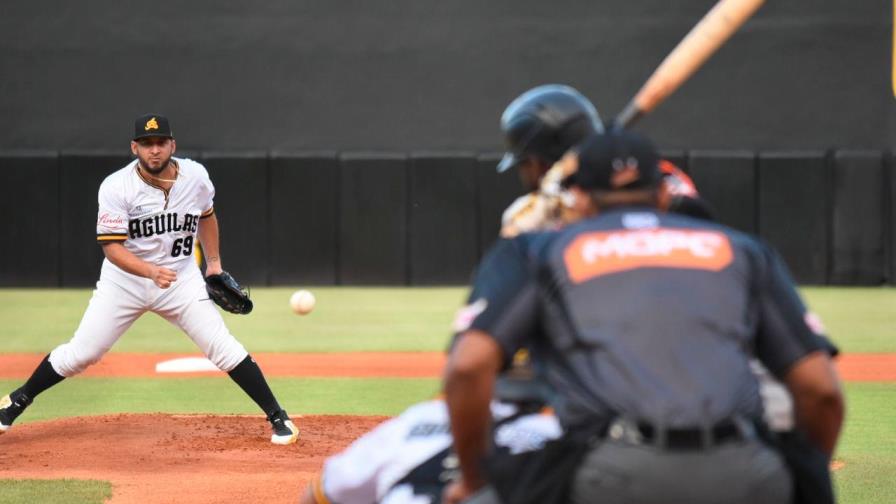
point(10, 410)
point(5, 422)
point(287, 435)
point(285, 432)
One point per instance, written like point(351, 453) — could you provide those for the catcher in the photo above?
point(408, 459)
point(150, 214)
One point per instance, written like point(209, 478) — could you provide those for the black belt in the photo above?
point(691, 438)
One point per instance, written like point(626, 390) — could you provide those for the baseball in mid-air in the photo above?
point(302, 302)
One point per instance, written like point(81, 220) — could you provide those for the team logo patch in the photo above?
point(602, 253)
point(151, 124)
point(676, 182)
point(814, 322)
point(466, 315)
point(113, 221)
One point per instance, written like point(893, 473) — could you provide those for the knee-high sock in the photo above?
point(43, 377)
point(249, 377)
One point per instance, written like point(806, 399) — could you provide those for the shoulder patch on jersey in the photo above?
point(814, 322)
point(111, 221)
point(466, 315)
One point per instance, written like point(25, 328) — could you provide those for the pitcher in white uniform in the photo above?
point(151, 212)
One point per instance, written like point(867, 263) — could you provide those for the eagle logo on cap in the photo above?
point(151, 124)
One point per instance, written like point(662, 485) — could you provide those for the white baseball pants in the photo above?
point(120, 298)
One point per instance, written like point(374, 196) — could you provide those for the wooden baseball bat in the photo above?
point(698, 45)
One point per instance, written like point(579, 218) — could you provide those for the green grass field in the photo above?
point(36, 320)
point(54, 491)
point(350, 319)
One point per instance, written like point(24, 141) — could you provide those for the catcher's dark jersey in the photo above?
point(648, 315)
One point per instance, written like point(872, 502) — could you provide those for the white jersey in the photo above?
point(381, 465)
point(156, 225)
point(159, 227)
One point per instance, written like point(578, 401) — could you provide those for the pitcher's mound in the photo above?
point(166, 458)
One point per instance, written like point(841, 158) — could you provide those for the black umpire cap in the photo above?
point(616, 160)
point(152, 125)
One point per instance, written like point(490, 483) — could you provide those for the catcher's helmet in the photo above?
point(546, 121)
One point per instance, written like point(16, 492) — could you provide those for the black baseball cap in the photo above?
point(152, 125)
point(616, 160)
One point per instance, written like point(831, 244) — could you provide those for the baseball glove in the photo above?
point(227, 293)
point(546, 208)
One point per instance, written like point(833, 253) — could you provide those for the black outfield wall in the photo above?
point(443, 234)
point(304, 204)
point(728, 180)
point(324, 218)
point(30, 234)
point(373, 220)
point(80, 176)
point(859, 219)
point(242, 192)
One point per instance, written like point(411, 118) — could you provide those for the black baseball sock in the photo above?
point(41, 379)
point(248, 376)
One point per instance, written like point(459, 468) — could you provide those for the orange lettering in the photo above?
point(602, 253)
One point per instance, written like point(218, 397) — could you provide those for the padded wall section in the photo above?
point(858, 251)
point(29, 256)
point(727, 181)
point(793, 211)
point(443, 224)
point(890, 229)
point(304, 201)
point(496, 192)
point(80, 176)
point(241, 205)
point(373, 220)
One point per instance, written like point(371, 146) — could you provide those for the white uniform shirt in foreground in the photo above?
point(368, 470)
point(157, 226)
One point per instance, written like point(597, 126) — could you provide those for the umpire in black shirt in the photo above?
point(645, 323)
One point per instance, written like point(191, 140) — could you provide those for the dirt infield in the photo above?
point(867, 367)
point(178, 458)
point(203, 459)
point(852, 367)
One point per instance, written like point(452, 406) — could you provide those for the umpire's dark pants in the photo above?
point(741, 472)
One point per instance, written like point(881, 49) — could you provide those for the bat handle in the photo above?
point(629, 116)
